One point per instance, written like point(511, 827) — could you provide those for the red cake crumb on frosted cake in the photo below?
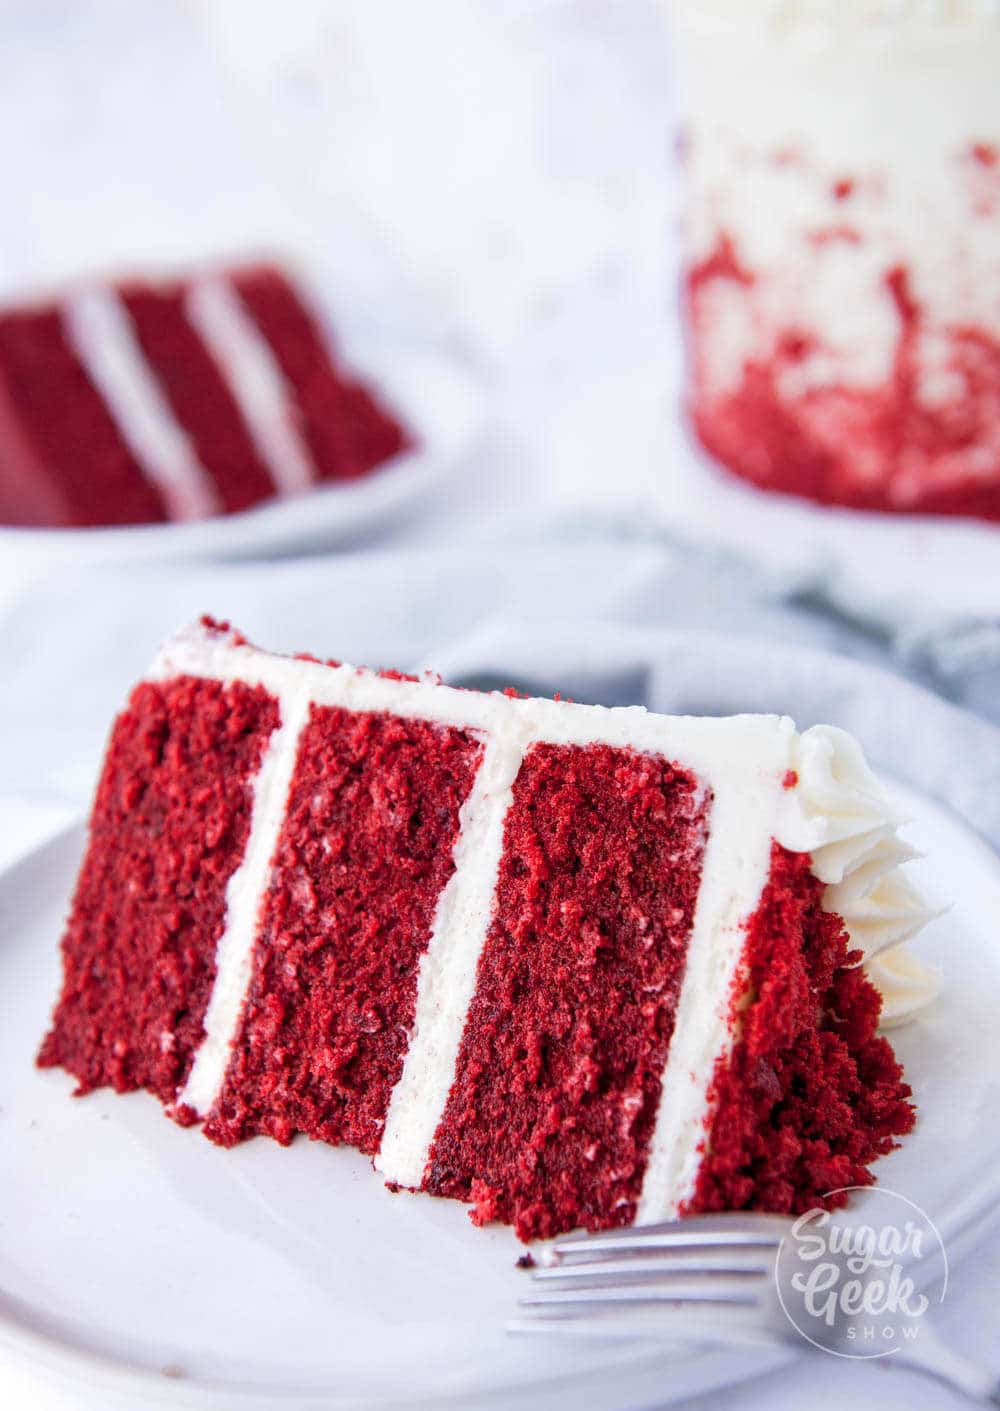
point(842, 248)
point(575, 966)
point(175, 399)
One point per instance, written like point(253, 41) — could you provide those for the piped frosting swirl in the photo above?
point(839, 813)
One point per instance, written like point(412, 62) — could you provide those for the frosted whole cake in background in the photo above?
point(842, 246)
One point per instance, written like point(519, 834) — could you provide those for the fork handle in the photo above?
point(929, 1355)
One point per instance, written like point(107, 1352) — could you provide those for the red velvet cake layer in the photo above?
point(811, 1094)
point(882, 447)
point(364, 854)
point(198, 393)
point(345, 428)
point(63, 459)
point(551, 1112)
point(169, 827)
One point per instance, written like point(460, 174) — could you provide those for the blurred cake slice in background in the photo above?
point(842, 233)
point(147, 401)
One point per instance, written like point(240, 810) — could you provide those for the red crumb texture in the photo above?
point(347, 430)
point(364, 854)
point(881, 448)
point(197, 392)
point(65, 463)
point(550, 1116)
point(169, 827)
point(811, 1095)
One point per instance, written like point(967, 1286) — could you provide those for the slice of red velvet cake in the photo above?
point(175, 399)
point(576, 966)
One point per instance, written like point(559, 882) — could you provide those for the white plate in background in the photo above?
point(437, 399)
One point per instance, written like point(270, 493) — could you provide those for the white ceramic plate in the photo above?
point(896, 567)
point(139, 1264)
point(436, 398)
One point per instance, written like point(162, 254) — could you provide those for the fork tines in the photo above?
point(664, 1273)
point(693, 1232)
point(656, 1262)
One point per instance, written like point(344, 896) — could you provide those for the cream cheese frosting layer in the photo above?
point(244, 893)
point(447, 976)
point(255, 379)
point(99, 329)
point(811, 793)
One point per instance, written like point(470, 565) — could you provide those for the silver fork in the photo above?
point(705, 1279)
